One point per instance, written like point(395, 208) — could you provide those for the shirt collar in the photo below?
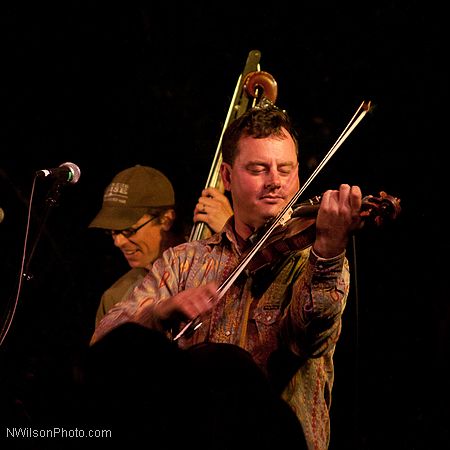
point(226, 236)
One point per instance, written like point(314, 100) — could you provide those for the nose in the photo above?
point(273, 180)
point(119, 239)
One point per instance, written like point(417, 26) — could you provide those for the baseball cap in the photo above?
point(130, 195)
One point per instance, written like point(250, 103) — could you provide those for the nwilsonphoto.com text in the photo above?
point(56, 432)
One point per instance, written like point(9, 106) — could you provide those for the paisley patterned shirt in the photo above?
point(286, 314)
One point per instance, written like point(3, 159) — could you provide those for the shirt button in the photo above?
point(227, 333)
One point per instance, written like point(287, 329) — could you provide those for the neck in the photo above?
point(243, 231)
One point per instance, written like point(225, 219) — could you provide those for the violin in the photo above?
point(299, 231)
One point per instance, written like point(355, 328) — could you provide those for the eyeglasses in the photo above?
point(129, 232)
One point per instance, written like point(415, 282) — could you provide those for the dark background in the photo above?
point(109, 86)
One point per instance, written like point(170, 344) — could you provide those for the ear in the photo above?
point(225, 173)
point(167, 219)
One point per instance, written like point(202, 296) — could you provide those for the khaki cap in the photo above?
point(130, 195)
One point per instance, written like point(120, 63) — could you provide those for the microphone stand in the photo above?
point(51, 201)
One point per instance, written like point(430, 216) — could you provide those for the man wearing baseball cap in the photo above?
point(138, 211)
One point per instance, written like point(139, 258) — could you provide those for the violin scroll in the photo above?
point(382, 208)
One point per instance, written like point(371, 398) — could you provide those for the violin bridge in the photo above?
point(286, 216)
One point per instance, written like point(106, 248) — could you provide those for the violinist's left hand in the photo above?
point(337, 218)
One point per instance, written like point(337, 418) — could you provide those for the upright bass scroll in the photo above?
point(254, 87)
point(262, 87)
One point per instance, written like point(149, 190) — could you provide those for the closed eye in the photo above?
point(257, 169)
point(285, 170)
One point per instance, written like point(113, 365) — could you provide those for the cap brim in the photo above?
point(113, 218)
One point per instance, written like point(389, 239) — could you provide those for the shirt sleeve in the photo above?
point(160, 283)
point(312, 322)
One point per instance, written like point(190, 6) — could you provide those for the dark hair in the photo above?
point(158, 211)
point(258, 123)
point(177, 233)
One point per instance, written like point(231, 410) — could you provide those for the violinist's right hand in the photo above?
point(213, 208)
point(337, 218)
point(185, 306)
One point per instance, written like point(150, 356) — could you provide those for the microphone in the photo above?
point(67, 172)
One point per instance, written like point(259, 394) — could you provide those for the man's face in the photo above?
point(144, 247)
point(263, 178)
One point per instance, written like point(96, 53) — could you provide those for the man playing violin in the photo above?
point(287, 314)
